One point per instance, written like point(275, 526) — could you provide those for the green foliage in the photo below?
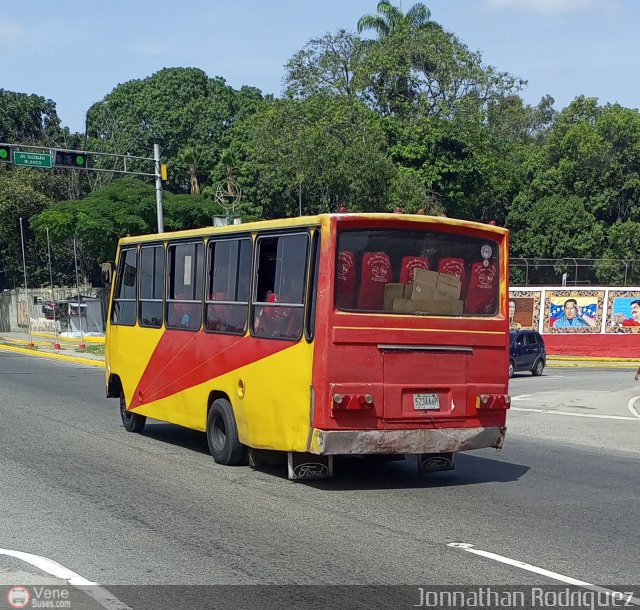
point(182, 110)
point(28, 119)
point(330, 151)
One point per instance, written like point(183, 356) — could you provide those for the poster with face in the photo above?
point(624, 312)
point(573, 311)
point(524, 310)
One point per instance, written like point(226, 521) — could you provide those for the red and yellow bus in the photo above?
point(337, 334)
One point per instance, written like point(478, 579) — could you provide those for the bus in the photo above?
point(313, 337)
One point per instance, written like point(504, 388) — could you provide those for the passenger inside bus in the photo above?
point(182, 315)
point(283, 322)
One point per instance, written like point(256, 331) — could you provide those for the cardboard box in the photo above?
point(391, 292)
point(447, 287)
point(451, 307)
point(424, 284)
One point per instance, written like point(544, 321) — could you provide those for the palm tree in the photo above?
point(396, 33)
point(390, 19)
point(191, 158)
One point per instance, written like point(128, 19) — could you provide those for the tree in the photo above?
point(23, 193)
point(178, 108)
point(28, 119)
point(327, 65)
point(124, 207)
point(390, 19)
point(329, 150)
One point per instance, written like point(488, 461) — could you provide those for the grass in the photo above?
point(98, 350)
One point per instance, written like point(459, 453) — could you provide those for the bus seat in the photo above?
point(455, 266)
point(179, 315)
point(376, 273)
point(274, 321)
point(345, 279)
point(217, 315)
point(483, 289)
point(409, 266)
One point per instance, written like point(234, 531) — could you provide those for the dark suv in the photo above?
point(526, 352)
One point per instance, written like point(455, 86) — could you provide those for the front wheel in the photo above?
point(538, 368)
point(222, 434)
point(132, 422)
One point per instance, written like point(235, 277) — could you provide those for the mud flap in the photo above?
point(265, 457)
point(436, 462)
point(309, 466)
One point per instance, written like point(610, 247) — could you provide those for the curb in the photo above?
point(598, 364)
point(31, 352)
point(98, 340)
point(631, 361)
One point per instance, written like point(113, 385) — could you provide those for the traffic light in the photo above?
point(71, 158)
point(5, 153)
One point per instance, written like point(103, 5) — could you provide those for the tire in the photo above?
point(511, 368)
point(222, 435)
point(538, 367)
point(132, 422)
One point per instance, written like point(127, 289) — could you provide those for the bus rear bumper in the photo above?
point(442, 440)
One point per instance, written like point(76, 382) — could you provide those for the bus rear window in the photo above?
point(416, 272)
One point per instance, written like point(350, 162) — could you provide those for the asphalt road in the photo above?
point(120, 508)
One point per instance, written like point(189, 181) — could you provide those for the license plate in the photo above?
point(426, 402)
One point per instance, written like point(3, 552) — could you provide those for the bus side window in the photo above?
point(280, 283)
point(228, 275)
point(151, 286)
point(184, 285)
point(123, 311)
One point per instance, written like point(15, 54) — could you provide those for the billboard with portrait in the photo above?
point(573, 311)
point(524, 309)
point(624, 312)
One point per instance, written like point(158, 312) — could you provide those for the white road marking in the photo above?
point(632, 407)
point(469, 548)
point(521, 397)
point(93, 589)
point(593, 416)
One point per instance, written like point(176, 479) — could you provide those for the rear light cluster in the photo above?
point(493, 401)
point(352, 401)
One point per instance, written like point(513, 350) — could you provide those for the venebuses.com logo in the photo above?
point(18, 597)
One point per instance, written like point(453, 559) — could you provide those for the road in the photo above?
point(120, 508)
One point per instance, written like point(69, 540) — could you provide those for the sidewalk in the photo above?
point(43, 346)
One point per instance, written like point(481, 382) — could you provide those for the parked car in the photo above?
point(526, 352)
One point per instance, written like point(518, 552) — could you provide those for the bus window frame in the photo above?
point(168, 301)
point(207, 302)
point(141, 247)
point(312, 287)
point(306, 231)
point(118, 283)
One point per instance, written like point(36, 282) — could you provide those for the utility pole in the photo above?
point(157, 167)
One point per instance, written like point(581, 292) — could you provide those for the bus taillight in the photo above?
point(352, 401)
point(493, 401)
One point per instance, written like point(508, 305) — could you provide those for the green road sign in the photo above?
point(32, 159)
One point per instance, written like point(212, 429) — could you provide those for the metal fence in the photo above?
point(574, 272)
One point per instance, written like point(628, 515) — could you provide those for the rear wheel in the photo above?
point(511, 368)
point(222, 434)
point(132, 422)
point(538, 368)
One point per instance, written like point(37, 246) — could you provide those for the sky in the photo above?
point(76, 52)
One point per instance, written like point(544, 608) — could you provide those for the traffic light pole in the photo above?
point(58, 158)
